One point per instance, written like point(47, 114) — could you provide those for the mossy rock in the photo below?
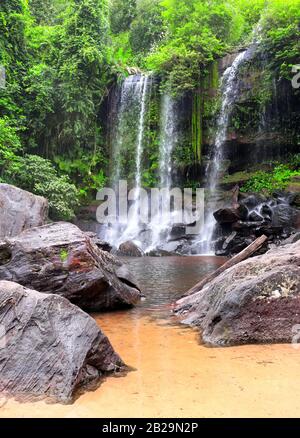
point(294, 187)
point(239, 178)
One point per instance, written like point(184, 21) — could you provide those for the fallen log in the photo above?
point(243, 255)
point(235, 196)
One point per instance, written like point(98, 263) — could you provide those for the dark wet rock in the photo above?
point(49, 347)
point(20, 210)
point(268, 230)
point(245, 227)
point(102, 244)
point(284, 197)
point(284, 215)
point(130, 249)
point(255, 217)
point(252, 201)
point(256, 301)
point(59, 258)
point(296, 201)
point(230, 214)
point(267, 210)
point(178, 231)
point(167, 249)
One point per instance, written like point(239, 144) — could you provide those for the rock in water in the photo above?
point(49, 347)
point(20, 210)
point(255, 301)
point(59, 258)
point(130, 249)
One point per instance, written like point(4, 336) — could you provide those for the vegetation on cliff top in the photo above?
point(61, 58)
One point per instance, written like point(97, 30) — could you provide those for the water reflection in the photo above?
point(165, 279)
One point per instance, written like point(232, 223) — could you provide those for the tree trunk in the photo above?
point(243, 255)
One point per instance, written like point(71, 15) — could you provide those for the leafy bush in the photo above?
point(9, 142)
point(37, 175)
point(268, 182)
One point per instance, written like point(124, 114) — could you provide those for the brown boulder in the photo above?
point(255, 301)
point(49, 347)
point(230, 215)
point(61, 259)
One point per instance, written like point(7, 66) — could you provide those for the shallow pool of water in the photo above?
point(174, 375)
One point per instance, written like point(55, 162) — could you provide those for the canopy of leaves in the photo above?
point(62, 57)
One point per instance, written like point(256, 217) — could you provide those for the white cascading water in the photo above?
point(168, 138)
point(133, 227)
point(160, 224)
point(229, 94)
point(132, 105)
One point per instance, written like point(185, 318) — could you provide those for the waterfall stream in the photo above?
point(132, 113)
point(230, 89)
point(132, 229)
point(168, 138)
point(129, 137)
point(160, 224)
point(134, 97)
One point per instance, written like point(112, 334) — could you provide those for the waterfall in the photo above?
point(168, 138)
point(127, 108)
point(139, 149)
point(128, 149)
point(161, 223)
point(129, 137)
point(230, 89)
point(133, 227)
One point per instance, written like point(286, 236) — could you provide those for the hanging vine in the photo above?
point(197, 135)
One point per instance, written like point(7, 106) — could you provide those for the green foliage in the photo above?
point(62, 57)
point(280, 34)
point(197, 126)
point(121, 15)
point(197, 33)
point(10, 144)
point(268, 182)
point(294, 162)
point(148, 27)
point(63, 255)
point(37, 175)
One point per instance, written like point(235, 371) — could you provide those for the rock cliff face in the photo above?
point(256, 301)
point(20, 210)
point(49, 348)
point(265, 117)
point(263, 127)
point(59, 258)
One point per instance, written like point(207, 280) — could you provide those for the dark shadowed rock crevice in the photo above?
point(49, 347)
point(255, 301)
point(59, 258)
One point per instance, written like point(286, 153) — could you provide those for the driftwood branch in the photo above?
point(235, 196)
point(243, 255)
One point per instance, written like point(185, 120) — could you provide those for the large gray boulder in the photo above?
point(255, 301)
point(61, 259)
point(20, 210)
point(49, 348)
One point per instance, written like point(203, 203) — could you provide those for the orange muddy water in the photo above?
point(176, 376)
